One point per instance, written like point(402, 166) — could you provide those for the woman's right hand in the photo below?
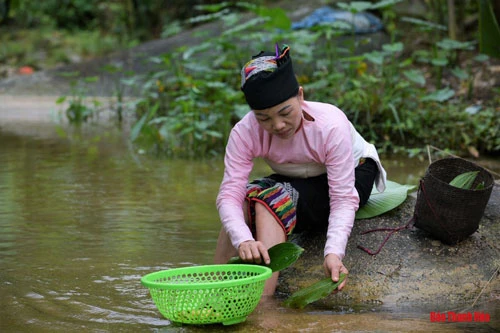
point(333, 267)
point(254, 251)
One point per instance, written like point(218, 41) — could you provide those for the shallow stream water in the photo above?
point(83, 217)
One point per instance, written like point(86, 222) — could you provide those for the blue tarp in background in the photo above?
point(362, 23)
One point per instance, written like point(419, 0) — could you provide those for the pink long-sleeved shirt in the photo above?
point(326, 143)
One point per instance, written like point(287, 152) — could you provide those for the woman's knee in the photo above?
point(260, 209)
point(267, 226)
point(262, 215)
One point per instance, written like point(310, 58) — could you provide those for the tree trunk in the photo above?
point(6, 9)
point(452, 21)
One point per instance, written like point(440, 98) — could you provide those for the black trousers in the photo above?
point(313, 206)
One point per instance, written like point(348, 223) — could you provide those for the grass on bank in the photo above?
point(47, 47)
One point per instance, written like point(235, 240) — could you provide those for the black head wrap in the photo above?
point(268, 79)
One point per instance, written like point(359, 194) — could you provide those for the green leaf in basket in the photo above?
point(314, 292)
point(464, 180)
point(393, 196)
point(282, 255)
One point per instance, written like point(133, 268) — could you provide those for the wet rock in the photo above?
point(412, 270)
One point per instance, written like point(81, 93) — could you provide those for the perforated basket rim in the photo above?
point(148, 280)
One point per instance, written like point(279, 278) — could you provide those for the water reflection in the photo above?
point(82, 218)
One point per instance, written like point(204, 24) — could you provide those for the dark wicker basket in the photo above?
point(448, 213)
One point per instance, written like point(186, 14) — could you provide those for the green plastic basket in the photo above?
point(207, 294)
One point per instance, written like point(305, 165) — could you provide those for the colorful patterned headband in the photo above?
point(264, 63)
point(268, 79)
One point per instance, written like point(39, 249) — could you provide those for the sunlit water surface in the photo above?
point(83, 217)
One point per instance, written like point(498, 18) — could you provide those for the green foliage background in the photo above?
point(397, 97)
point(401, 96)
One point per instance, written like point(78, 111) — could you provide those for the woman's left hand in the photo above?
point(333, 267)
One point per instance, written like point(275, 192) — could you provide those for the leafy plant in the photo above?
point(121, 80)
point(78, 109)
point(394, 95)
point(195, 92)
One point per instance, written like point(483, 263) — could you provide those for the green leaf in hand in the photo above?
point(282, 255)
point(314, 292)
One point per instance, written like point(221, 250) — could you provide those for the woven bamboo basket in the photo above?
point(448, 213)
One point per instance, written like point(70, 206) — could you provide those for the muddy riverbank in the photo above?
point(413, 270)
